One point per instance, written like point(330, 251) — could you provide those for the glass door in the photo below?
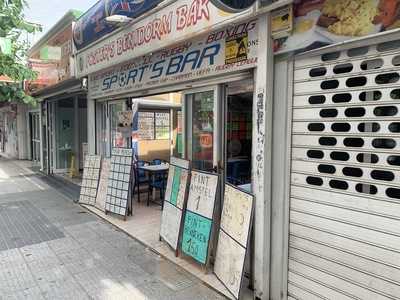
point(203, 130)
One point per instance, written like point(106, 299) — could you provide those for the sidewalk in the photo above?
point(51, 248)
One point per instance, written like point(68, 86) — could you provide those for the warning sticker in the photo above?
point(236, 49)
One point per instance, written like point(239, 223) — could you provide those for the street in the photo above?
point(51, 248)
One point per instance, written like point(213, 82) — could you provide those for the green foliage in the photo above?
point(12, 26)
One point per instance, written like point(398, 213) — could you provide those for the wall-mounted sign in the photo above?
point(170, 25)
point(199, 215)
point(323, 22)
point(233, 238)
point(282, 21)
point(50, 53)
point(174, 201)
point(92, 25)
point(199, 58)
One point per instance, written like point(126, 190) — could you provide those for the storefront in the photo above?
point(63, 127)
point(221, 89)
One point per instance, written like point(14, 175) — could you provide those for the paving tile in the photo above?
point(33, 293)
point(65, 289)
point(15, 278)
point(63, 245)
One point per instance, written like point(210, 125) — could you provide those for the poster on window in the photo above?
point(323, 22)
point(146, 126)
point(124, 127)
point(199, 214)
point(162, 126)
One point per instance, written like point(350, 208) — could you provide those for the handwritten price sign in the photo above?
point(196, 235)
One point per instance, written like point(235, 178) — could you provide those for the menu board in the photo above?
point(174, 201)
point(90, 180)
point(119, 181)
point(103, 183)
point(146, 125)
point(233, 238)
point(199, 215)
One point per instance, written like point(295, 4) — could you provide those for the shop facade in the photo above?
point(58, 127)
point(216, 74)
point(320, 129)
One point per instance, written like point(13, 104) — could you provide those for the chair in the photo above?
point(140, 176)
point(157, 181)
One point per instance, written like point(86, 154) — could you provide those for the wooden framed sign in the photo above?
point(90, 180)
point(174, 202)
point(233, 238)
point(199, 215)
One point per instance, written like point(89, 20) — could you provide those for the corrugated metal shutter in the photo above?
point(344, 240)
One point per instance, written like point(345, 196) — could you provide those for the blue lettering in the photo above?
point(132, 75)
point(191, 57)
point(174, 65)
point(209, 52)
point(157, 67)
point(114, 79)
point(142, 69)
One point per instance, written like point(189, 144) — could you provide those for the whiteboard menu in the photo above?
point(103, 183)
point(174, 201)
point(119, 181)
point(199, 215)
point(90, 180)
point(233, 238)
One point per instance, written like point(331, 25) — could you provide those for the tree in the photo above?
point(12, 63)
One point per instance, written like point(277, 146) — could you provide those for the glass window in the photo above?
point(118, 141)
point(64, 132)
point(202, 130)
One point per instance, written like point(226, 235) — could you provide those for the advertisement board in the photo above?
point(172, 24)
point(199, 215)
point(92, 25)
point(174, 202)
point(204, 56)
point(324, 22)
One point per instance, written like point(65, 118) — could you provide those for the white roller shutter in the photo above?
point(344, 240)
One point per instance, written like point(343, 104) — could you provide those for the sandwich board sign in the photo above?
point(174, 202)
point(90, 180)
point(199, 215)
point(120, 182)
point(233, 238)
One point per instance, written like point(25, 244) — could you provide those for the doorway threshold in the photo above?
point(144, 226)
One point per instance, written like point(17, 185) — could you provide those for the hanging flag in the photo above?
point(135, 128)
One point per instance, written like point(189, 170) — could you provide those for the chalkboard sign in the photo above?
point(90, 180)
point(199, 215)
point(119, 181)
point(174, 201)
point(233, 238)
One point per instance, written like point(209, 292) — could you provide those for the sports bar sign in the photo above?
point(219, 52)
point(174, 23)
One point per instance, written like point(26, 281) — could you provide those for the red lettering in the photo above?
point(181, 13)
point(193, 13)
point(204, 11)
